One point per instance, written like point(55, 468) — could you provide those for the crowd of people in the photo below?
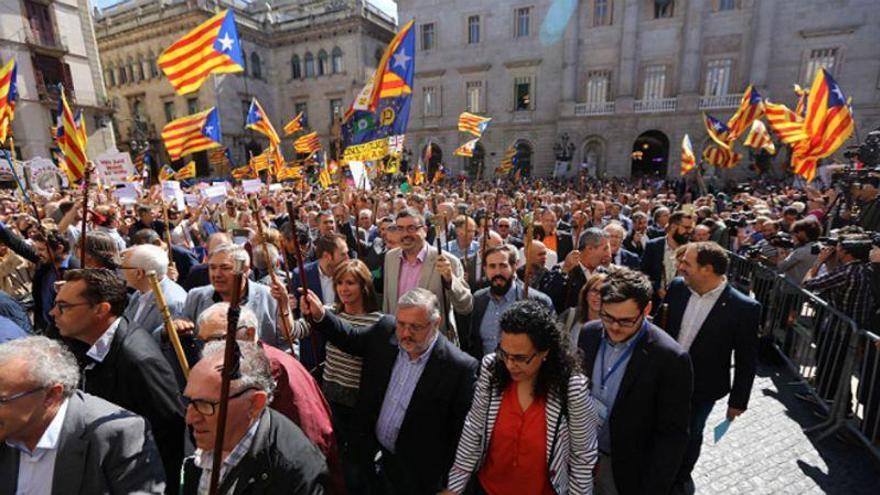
point(538, 338)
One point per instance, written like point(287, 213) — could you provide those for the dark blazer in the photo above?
point(102, 448)
point(631, 245)
point(731, 327)
point(630, 259)
point(281, 460)
point(184, 261)
point(473, 341)
point(310, 356)
point(197, 276)
point(651, 414)
point(435, 416)
point(652, 261)
point(655, 231)
point(136, 376)
point(563, 288)
point(564, 244)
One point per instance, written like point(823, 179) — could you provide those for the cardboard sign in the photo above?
point(115, 167)
point(252, 186)
point(127, 193)
point(215, 193)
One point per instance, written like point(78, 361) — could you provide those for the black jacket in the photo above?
point(563, 288)
point(472, 342)
point(136, 376)
point(651, 414)
point(731, 327)
point(281, 460)
point(435, 416)
point(652, 261)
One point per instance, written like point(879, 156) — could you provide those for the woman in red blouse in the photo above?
point(531, 428)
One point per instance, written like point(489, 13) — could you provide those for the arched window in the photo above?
point(110, 77)
point(132, 73)
point(336, 60)
point(310, 65)
point(142, 75)
point(123, 75)
point(256, 65)
point(322, 63)
point(593, 156)
point(295, 67)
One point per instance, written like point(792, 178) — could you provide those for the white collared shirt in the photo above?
point(327, 290)
point(36, 469)
point(698, 308)
point(669, 263)
point(101, 347)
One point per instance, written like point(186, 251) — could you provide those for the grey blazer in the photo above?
point(258, 298)
point(458, 298)
point(102, 449)
point(150, 318)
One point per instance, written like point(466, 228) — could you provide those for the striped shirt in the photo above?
point(204, 459)
point(342, 371)
point(848, 289)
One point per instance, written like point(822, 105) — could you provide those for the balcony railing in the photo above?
point(655, 106)
point(597, 108)
point(722, 101)
point(47, 42)
point(50, 92)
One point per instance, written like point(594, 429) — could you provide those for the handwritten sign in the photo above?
point(115, 167)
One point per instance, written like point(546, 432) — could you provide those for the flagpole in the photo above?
point(85, 211)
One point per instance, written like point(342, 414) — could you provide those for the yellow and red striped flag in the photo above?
point(242, 172)
point(803, 97)
point(720, 157)
point(70, 141)
point(192, 133)
point(259, 121)
point(8, 97)
point(759, 138)
point(717, 130)
point(308, 143)
point(474, 124)
point(80, 122)
point(467, 149)
point(212, 47)
point(289, 173)
point(508, 162)
point(294, 125)
point(393, 76)
point(261, 162)
point(787, 124)
point(188, 171)
point(688, 160)
point(751, 107)
point(166, 173)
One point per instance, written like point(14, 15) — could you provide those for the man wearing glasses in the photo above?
point(263, 451)
point(418, 265)
point(56, 439)
point(123, 363)
point(641, 382)
point(416, 389)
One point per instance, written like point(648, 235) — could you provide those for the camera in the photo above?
point(782, 240)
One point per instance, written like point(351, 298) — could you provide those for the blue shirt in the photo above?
point(605, 391)
point(454, 249)
point(401, 386)
point(9, 330)
point(489, 326)
point(47, 290)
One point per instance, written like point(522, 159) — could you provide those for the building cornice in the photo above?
point(518, 64)
point(470, 69)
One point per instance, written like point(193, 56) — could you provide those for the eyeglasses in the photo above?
point(413, 327)
point(515, 358)
point(209, 407)
point(410, 228)
point(62, 306)
point(6, 400)
point(609, 320)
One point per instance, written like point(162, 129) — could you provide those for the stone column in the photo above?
point(628, 71)
point(690, 69)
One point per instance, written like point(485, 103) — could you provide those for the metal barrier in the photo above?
point(825, 349)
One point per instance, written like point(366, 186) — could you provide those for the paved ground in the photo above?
point(766, 452)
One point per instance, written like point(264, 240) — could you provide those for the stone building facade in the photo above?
point(53, 42)
point(305, 55)
point(617, 83)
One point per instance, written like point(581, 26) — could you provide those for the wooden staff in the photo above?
point(85, 214)
point(527, 273)
point(285, 324)
point(303, 281)
point(443, 304)
point(230, 371)
point(167, 230)
point(169, 327)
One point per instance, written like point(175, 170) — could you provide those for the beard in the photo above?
point(681, 238)
point(500, 290)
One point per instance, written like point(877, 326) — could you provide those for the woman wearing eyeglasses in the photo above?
point(531, 428)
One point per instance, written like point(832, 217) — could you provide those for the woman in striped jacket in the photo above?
point(531, 428)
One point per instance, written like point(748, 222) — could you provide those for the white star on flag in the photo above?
point(837, 91)
point(226, 43)
point(209, 129)
point(401, 59)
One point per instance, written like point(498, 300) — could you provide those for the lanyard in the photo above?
point(606, 375)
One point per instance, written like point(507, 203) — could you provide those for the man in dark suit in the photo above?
point(641, 383)
point(636, 240)
point(563, 283)
point(619, 255)
point(56, 439)
point(713, 322)
point(125, 365)
point(491, 301)
point(265, 452)
point(659, 260)
point(416, 389)
point(659, 222)
point(331, 250)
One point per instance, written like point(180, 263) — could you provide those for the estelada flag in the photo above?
point(688, 160)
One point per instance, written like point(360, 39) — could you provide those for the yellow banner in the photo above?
point(374, 150)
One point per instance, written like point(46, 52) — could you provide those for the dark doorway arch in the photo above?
point(434, 160)
point(650, 154)
point(523, 158)
point(475, 166)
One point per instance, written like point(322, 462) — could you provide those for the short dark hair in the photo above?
point(302, 232)
point(624, 284)
point(710, 253)
point(141, 209)
point(327, 244)
point(53, 240)
point(411, 212)
point(505, 249)
point(145, 236)
point(678, 216)
point(102, 285)
point(809, 226)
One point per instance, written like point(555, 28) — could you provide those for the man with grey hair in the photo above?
point(142, 308)
point(563, 283)
point(57, 439)
point(223, 263)
point(263, 450)
point(416, 389)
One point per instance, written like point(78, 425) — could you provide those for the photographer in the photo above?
point(867, 197)
point(798, 262)
point(847, 287)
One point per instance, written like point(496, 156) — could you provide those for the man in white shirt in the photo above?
point(57, 440)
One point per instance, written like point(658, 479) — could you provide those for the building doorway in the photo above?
point(650, 155)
